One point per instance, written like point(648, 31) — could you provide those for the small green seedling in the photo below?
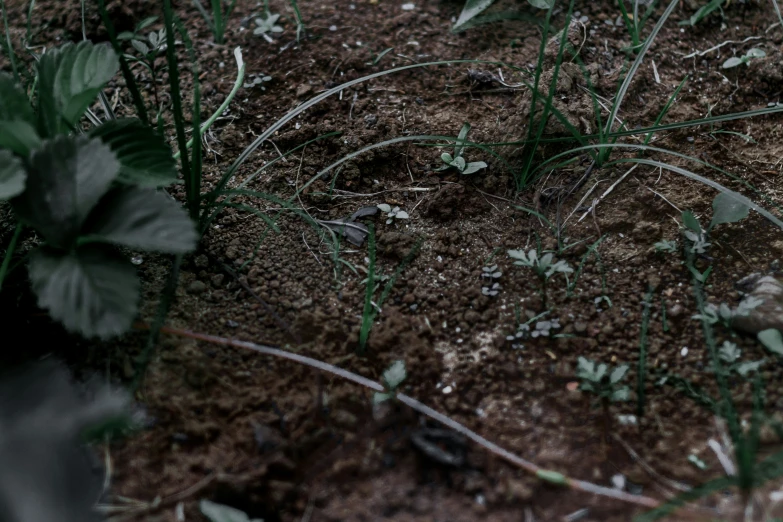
point(724, 314)
point(257, 80)
point(730, 354)
point(703, 12)
point(392, 213)
point(734, 61)
point(603, 381)
point(136, 34)
point(605, 384)
point(222, 513)
point(267, 25)
point(543, 266)
point(456, 160)
point(669, 247)
point(392, 378)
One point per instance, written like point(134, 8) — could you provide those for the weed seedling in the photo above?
point(543, 266)
point(392, 214)
point(734, 61)
point(218, 19)
point(392, 378)
point(267, 25)
point(490, 274)
point(456, 160)
point(604, 383)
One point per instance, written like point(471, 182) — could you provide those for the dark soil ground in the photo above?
point(279, 441)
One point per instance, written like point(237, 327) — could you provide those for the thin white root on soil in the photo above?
point(425, 410)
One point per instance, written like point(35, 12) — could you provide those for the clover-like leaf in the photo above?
point(144, 219)
point(222, 513)
point(44, 475)
point(91, 290)
point(145, 157)
point(12, 175)
point(70, 77)
point(66, 178)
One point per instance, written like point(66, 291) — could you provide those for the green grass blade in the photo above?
point(193, 179)
point(9, 253)
point(9, 48)
point(666, 108)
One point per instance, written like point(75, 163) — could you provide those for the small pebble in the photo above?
point(197, 287)
point(408, 7)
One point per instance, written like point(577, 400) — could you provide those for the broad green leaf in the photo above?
point(772, 339)
point(383, 207)
point(732, 62)
point(19, 137)
point(14, 104)
point(70, 77)
point(221, 513)
point(66, 178)
point(447, 158)
point(541, 4)
point(690, 221)
point(144, 219)
point(145, 158)
point(92, 291)
point(471, 9)
point(756, 53)
point(12, 175)
point(726, 209)
point(474, 166)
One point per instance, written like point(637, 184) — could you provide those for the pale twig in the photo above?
point(526, 465)
point(606, 193)
point(715, 48)
point(667, 481)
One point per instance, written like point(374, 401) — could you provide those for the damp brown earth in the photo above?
point(282, 442)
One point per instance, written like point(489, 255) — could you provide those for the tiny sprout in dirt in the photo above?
point(490, 274)
point(392, 378)
point(730, 354)
point(669, 247)
point(267, 25)
point(456, 160)
point(603, 381)
point(543, 266)
point(734, 61)
point(392, 213)
point(257, 80)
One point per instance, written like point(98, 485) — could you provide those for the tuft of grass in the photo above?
point(218, 18)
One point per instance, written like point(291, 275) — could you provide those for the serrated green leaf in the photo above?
point(772, 340)
point(70, 77)
point(145, 158)
point(12, 175)
point(690, 221)
point(66, 178)
point(19, 137)
point(221, 513)
point(14, 104)
point(92, 290)
point(727, 209)
point(144, 219)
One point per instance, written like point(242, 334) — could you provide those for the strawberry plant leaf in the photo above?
point(66, 178)
point(70, 77)
point(12, 175)
point(144, 219)
point(91, 290)
point(14, 104)
point(145, 158)
point(19, 137)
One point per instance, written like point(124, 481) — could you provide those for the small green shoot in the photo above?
point(603, 381)
point(222, 513)
point(392, 214)
point(667, 246)
point(392, 379)
point(543, 266)
point(456, 160)
point(703, 12)
point(734, 61)
point(266, 25)
point(218, 19)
